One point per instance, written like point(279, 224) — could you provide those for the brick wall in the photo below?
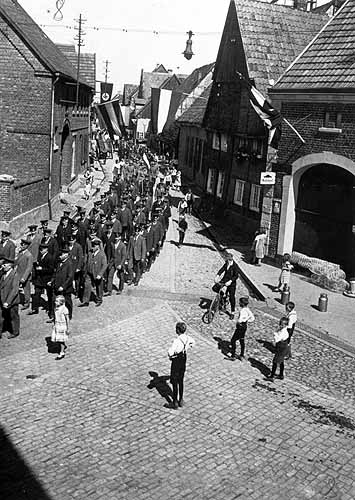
point(25, 121)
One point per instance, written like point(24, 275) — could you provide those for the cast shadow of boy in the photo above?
point(160, 384)
point(52, 347)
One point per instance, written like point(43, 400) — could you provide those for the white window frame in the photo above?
point(238, 192)
point(216, 141)
point(211, 180)
point(254, 200)
point(220, 184)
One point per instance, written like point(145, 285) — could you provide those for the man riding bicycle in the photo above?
point(226, 281)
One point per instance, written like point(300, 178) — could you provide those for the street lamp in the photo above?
point(188, 50)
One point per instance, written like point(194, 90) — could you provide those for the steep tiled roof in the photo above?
point(151, 80)
point(39, 43)
point(194, 79)
point(195, 113)
point(273, 35)
point(87, 62)
point(329, 62)
point(128, 90)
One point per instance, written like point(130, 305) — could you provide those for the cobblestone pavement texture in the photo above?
point(94, 425)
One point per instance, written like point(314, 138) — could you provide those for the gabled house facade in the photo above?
point(259, 41)
point(316, 179)
point(45, 119)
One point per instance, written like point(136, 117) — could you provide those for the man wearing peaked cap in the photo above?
point(62, 281)
point(23, 266)
point(7, 246)
point(9, 298)
point(35, 239)
point(96, 267)
point(41, 279)
point(48, 239)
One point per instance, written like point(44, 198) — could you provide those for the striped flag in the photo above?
point(146, 161)
point(270, 116)
point(164, 105)
point(112, 117)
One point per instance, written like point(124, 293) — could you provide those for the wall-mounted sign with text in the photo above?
point(267, 178)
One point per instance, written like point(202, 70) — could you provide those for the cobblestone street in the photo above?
point(94, 425)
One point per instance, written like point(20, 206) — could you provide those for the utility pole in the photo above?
point(79, 39)
point(106, 69)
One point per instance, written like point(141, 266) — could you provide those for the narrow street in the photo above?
point(94, 425)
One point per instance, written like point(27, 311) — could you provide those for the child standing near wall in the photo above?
point(285, 275)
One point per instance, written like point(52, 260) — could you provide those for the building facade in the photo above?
point(259, 41)
point(46, 124)
point(316, 179)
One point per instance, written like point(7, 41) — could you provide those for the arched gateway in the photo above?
point(318, 209)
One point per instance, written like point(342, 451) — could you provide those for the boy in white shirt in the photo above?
point(281, 348)
point(245, 317)
point(177, 355)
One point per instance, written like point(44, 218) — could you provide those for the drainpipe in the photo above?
point(51, 144)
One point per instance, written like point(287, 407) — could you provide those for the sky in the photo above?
point(130, 51)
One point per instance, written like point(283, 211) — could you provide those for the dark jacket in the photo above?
point(119, 254)
point(76, 255)
point(63, 277)
point(9, 289)
point(7, 249)
point(24, 265)
point(229, 274)
point(158, 233)
point(96, 264)
point(137, 248)
point(43, 270)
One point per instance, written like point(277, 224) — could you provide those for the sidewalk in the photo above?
point(336, 325)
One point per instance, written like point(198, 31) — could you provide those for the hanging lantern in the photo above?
point(188, 50)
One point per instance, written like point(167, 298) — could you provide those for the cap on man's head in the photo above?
point(64, 249)
point(25, 241)
point(109, 224)
point(44, 221)
point(48, 230)
point(32, 226)
point(96, 241)
point(97, 202)
point(5, 232)
point(72, 237)
point(66, 212)
point(43, 245)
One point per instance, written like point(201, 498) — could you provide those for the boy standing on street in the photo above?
point(182, 227)
point(291, 315)
point(245, 317)
point(177, 355)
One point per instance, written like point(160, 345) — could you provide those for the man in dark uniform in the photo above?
point(53, 247)
point(42, 278)
point(9, 298)
point(137, 252)
point(7, 246)
point(116, 264)
point(76, 255)
point(23, 266)
point(95, 269)
point(62, 281)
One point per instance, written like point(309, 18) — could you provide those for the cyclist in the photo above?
point(227, 278)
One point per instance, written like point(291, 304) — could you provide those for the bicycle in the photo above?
point(219, 303)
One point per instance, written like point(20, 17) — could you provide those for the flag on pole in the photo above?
point(146, 161)
point(164, 105)
point(112, 116)
point(269, 115)
point(105, 91)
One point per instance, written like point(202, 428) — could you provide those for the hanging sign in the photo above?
point(267, 178)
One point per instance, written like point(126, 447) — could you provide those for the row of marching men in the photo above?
point(89, 254)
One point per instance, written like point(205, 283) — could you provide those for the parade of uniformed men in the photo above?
point(90, 252)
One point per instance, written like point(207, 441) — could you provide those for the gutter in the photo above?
point(51, 144)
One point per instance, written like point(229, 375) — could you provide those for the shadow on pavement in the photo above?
point(160, 384)
point(263, 369)
point(223, 345)
point(196, 245)
point(17, 482)
point(52, 347)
